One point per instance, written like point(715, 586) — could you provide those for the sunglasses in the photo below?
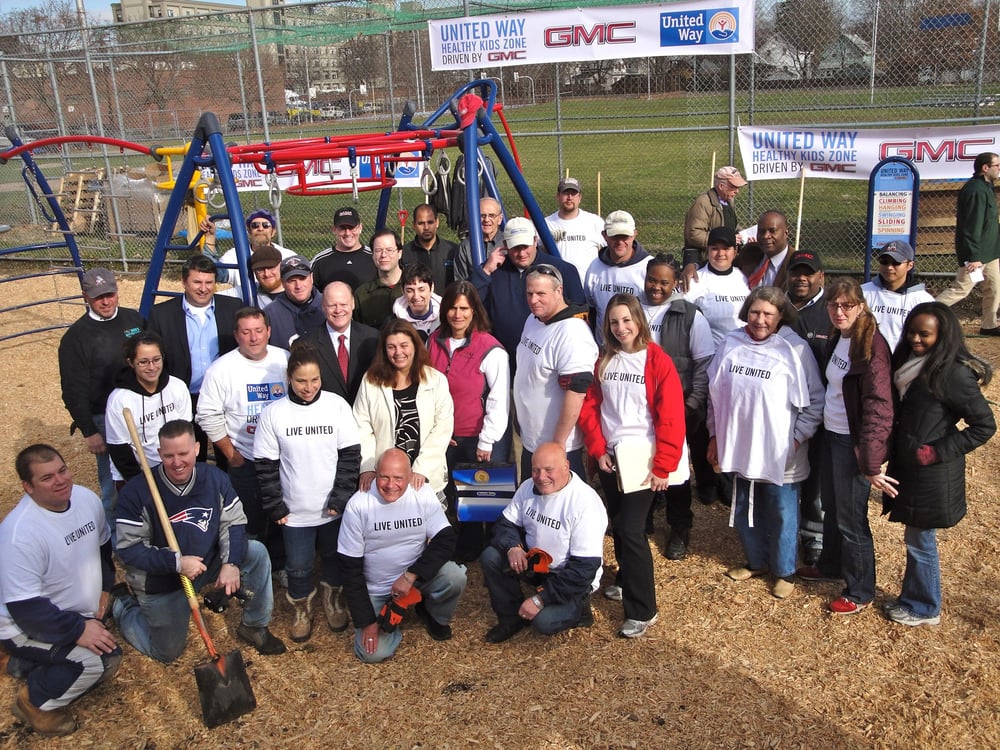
point(546, 270)
point(260, 225)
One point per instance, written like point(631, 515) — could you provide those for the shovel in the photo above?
point(223, 685)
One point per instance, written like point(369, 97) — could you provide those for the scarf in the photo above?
point(907, 373)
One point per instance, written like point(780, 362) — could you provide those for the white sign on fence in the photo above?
point(851, 153)
point(573, 35)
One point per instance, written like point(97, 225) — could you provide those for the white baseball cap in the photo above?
point(518, 231)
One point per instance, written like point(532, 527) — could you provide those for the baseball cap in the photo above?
point(806, 258)
point(260, 213)
point(569, 183)
point(346, 216)
point(619, 223)
point(731, 175)
point(722, 235)
point(518, 232)
point(265, 257)
point(295, 265)
point(898, 250)
point(98, 282)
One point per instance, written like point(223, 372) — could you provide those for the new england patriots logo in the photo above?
point(200, 517)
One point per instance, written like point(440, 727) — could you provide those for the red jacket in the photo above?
point(666, 401)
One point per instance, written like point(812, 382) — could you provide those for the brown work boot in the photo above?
point(302, 617)
point(55, 723)
point(333, 607)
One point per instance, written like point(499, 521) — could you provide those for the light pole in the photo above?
point(531, 80)
point(362, 89)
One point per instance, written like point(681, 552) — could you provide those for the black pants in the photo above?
point(635, 561)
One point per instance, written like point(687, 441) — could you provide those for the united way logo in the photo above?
point(723, 26)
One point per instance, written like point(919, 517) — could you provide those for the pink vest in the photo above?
point(466, 383)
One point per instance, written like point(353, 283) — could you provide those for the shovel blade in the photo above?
point(224, 689)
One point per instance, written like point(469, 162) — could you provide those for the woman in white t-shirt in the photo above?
point(636, 397)
point(721, 287)
point(306, 454)
point(154, 398)
point(758, 390)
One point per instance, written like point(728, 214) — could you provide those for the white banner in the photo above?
point(571, 35)
point(318, 171)
point(850, 154)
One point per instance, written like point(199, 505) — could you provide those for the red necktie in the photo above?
point(342, 356)
point(758, 276)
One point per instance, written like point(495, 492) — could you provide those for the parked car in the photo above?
point(331, 112)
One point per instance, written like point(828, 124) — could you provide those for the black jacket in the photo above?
point(363, 340)
point(167, 319)
point(933, 497)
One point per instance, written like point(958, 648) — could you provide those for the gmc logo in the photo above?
point(965, 149)
point(579, 36)
point(820, 166)
point(508, 55)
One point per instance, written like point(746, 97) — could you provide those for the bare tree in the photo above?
point(808, 27)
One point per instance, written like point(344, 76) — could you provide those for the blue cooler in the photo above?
point(483, 490)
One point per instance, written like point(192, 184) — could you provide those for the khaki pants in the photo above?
point(959, 289)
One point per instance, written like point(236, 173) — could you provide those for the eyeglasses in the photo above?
point(885, 260)
point(148, 362)
point(260, 225)
point(845, 306)
point(489, 216)
point(385, 251)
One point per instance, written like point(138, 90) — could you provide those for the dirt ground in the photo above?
point(726, 666)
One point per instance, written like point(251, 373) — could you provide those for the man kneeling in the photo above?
point(557, 512)
point(208, 521)
point(395, 543)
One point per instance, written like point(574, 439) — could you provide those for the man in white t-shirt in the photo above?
point(236, 388)
point(578, 233)
point(894, 292)
point(555, 366)
point(55, 576)
point(619, 268)
point(559, 513)
point(393, 539)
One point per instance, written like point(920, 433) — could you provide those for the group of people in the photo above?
point(338, 407)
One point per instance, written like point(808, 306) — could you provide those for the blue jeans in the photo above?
point(921, 593)
point(58, 675)
point(156, 624)
point(259, 526)
point(109, 495)
point(301, 545)
point(440, 599)
point(847, 488)
point(772, 541)
point(506, 597)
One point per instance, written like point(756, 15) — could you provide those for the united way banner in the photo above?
point(851, 154)
point(574, 35)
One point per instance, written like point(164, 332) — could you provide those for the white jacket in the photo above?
point(375, 413)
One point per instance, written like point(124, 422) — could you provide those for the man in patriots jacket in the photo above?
point(208, 521)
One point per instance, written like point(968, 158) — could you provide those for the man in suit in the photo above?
point(342, 339)
point(196, 329)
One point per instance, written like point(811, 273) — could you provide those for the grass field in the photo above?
point(653, 156)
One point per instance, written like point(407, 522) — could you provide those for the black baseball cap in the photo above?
point(722, 235)
point(807, 258)
point(346, 216)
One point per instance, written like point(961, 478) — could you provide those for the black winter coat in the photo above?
point(933, 497)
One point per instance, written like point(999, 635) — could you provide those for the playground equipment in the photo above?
point(465, 121)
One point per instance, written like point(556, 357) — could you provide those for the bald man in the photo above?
point(393, 538)
point(558, 512)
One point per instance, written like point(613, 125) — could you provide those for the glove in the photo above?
point(538, 561)
point(926, 455)
point(394, 610)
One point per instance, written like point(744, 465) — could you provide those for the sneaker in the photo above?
point(903, 616)
point(435, 629)
point(782, 588)
point(261, 639)
point(504, 631)
point(844, 606)
point(636, 628)
point(614, 593)
point(813, 573)
point(745, 572)
point(677, 545)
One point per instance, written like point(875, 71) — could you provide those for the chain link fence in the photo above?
point(640, 134)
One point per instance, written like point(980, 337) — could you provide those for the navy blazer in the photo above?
point(364, 340)
point(167, 319)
